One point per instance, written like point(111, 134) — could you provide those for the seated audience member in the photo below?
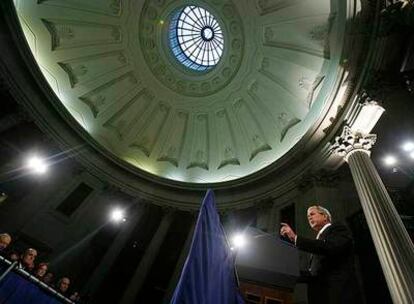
point(48, 278)
point(14, 256)
point(75, 297)
point(41, 270)
point(63, 285)
point(27, 259)
point(5, 240)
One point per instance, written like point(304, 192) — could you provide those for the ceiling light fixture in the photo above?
point(408, 146)
point(37, 165)
point(239, 241)
point(117, 215)
point(390, 160)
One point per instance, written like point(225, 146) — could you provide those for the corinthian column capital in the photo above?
point(350, 141)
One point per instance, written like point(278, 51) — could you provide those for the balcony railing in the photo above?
point(19, 286)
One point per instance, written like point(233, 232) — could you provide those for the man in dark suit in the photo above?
point(331, 275)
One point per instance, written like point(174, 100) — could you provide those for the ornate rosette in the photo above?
point(154, 24)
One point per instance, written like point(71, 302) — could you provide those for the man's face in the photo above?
point(4, 242)
point(64, 284)
point(41, 270)
point(316, 220)
point(14, 256)
point(29, 257)
point(48, 277)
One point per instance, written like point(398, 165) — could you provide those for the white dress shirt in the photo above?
point(319, 233)
point(322, 230)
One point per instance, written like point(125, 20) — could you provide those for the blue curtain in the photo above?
point(14, 289)
point(208, 276)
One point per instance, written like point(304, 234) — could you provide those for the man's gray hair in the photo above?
point(5, 236)
point(322, 210)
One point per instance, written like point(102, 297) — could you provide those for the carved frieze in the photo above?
point(173, 146)
point(107, 7)
point(270, 6)
point(226, 140)
point(67, 34)
point(251, 128)
point(100, 98)
point(89, 68)
point(314, 32)
point(151, 131)
point(200, 143)
point(130, 116)
point(282, 117)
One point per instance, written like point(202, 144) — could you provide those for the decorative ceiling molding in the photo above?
point(242, 141)
point(154, 29)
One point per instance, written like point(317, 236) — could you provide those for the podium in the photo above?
point(266, 259)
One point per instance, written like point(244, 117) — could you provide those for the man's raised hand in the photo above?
point(288, 232)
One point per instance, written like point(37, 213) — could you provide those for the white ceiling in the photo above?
point(109, 63)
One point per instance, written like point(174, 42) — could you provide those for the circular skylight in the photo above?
point(196, 38)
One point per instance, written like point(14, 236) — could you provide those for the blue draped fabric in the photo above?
point(15, 289)
point(208, 275)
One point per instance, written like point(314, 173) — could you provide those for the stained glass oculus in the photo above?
point(196, 38)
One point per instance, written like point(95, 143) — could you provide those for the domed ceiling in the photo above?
point(113, 67)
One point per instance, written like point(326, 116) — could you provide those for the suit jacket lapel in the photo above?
point(312, 257)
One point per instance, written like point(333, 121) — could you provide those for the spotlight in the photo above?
point(238, 241)
point(117, 215)
point(37, 165)
point(408, 146)
point(390, 160)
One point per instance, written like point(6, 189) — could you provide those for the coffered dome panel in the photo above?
point(111, 64)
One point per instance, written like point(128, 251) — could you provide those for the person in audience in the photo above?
point(63, 285)
point(75, 297)
point(27, 259)
point(41, 270)
point(48, 278)
point(14, 256)
point(5, 240)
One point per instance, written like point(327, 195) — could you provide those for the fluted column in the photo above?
point(147, 260)
point(392, 242)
